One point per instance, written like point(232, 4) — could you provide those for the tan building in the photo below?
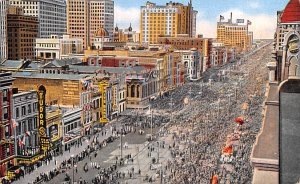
point(84, 15)
point(171, 19)
point(234, 35)
point(22, 32)
point(62, 89)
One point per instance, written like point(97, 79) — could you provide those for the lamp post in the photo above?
point(72, 156)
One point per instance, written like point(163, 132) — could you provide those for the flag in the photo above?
point(249, 22)
point(222, 17)
point(28, 133)
point(240, 21)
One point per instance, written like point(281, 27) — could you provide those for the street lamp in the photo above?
point(72, 157)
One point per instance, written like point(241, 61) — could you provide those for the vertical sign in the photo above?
point(44, 141)
point(102, 87)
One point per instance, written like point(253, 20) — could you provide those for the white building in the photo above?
point(3, 30)
point(192, 61)
point(25, 112)
point(57, 47)
point(71, 122)
point(51, 15)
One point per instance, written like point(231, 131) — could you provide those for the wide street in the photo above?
point(189, 148)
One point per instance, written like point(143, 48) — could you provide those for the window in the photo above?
point(17, 112)
point(5, 113)
point(23, 110)
point(29, 109)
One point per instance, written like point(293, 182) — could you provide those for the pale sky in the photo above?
point(262, 14)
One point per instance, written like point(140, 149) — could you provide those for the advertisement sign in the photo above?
point(102, 87)
point(53, 132)
point(44, 141)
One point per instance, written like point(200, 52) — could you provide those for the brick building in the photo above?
point(6, 135)
point(22, 32)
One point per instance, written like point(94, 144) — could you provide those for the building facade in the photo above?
point(7, 147)
point(71, 125)
point(57, 47)
point(25, 130)
point(51, 15)
point(3, 30)
point(22, 32)
point(85, 17)
point(192, 61)
point(276, 163)
point(169, 20)
point(234, 35)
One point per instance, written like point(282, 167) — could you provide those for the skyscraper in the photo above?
point(84, 15)
point(51, 15)
point(3, 30)
point(169, 20)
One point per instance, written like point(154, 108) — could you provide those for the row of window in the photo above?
point(25, 110)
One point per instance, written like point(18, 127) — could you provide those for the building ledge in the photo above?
point(265, 153)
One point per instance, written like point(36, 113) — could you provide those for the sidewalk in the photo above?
point(30, 178)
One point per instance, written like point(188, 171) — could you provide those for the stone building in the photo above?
point(275, 154)
point(22, 32)
point(25, 114)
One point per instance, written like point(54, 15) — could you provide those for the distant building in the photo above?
point(57, 47)
point(22, 32)
point(126, 35)
point(183, 42)
point(234, 35)
point(169, 20)
point(85, 17)
point(192, 62)
point(51, 15)
point(3, 30)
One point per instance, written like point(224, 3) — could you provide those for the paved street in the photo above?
point(195, 138)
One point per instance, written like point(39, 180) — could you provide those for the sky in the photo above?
point(262, 14)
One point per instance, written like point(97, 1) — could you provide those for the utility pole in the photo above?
point(121, 140)
point(151, 111)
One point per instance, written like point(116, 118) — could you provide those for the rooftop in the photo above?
point(291, 13)
point(48, 76)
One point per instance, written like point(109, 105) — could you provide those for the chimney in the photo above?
point(230, 17)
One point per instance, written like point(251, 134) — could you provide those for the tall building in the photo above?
point(6, 135)
point(51, 15)
point(22, 30)
point(84, 15)
point(3, 30)
point(234, 35)
point(169, 20)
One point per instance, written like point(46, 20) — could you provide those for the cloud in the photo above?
point(255, 5)
point(125, 16)
point(263, 25)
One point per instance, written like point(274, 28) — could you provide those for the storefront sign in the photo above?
point(44, 141)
